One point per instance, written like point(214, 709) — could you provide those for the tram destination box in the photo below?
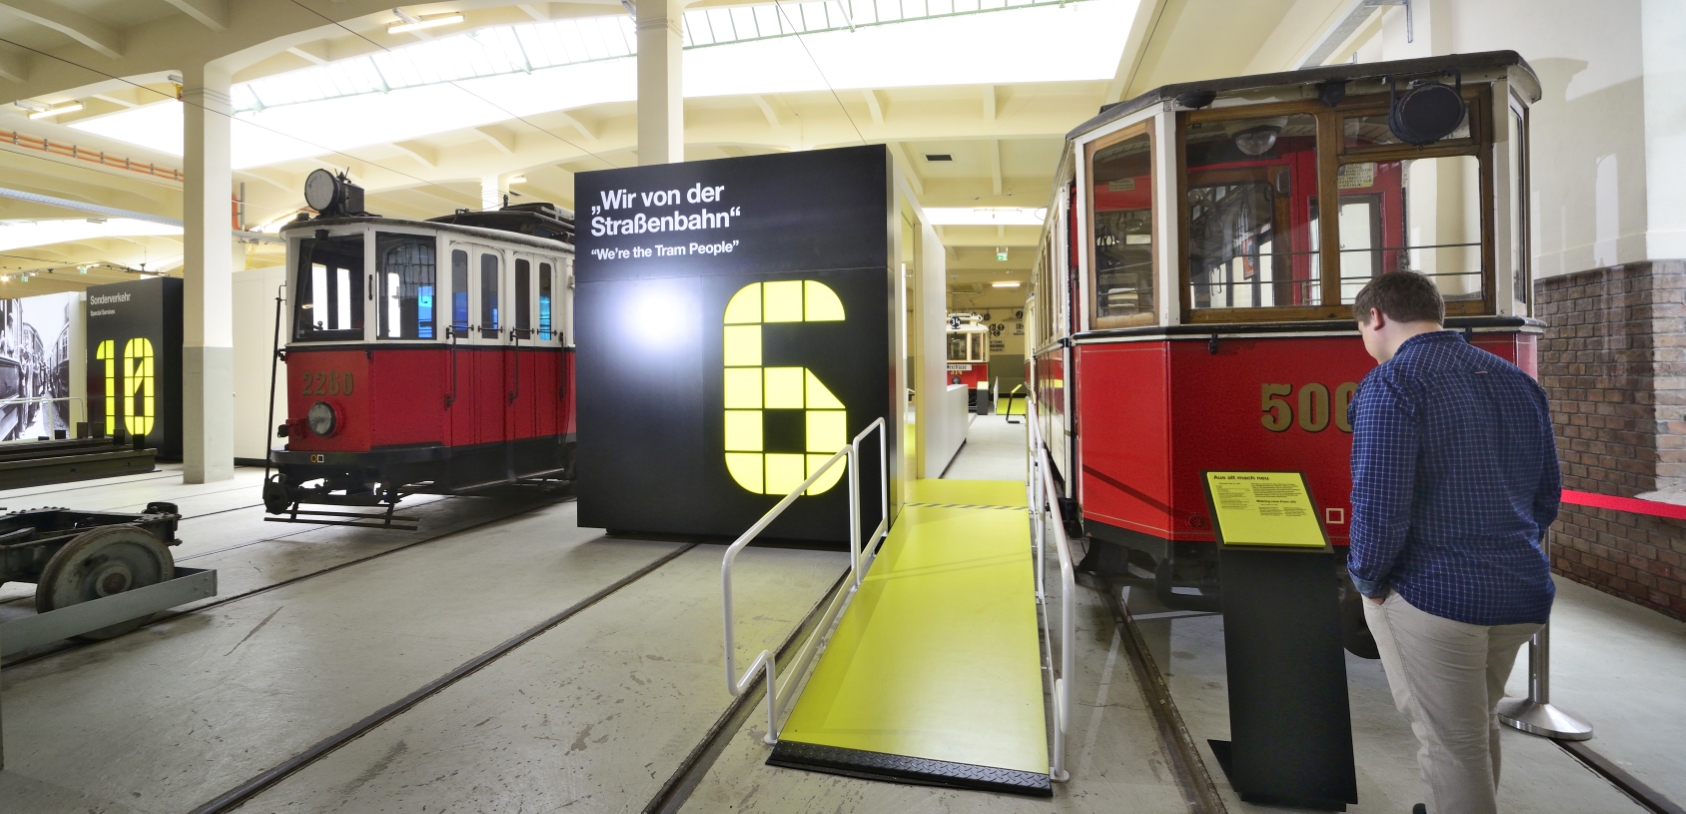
point(134, 361)
point(735, 322)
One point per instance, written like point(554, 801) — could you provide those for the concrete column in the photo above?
point(208, 297)
point(661, 90)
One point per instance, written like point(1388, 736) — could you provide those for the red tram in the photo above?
point(425, 356)
point(1191, 306)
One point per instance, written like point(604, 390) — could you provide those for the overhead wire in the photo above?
point(513, 115)
point(823, 78)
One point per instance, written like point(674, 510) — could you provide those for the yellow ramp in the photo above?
point(934, 673)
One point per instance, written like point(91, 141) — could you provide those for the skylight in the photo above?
point(495, 74)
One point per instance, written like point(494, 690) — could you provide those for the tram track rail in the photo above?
point(240, 795)
point(165, 616)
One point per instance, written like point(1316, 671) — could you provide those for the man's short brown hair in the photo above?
point(1402, 296)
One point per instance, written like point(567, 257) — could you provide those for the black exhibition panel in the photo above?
point(661, 251)
point(1289, 719)
point(135, 328)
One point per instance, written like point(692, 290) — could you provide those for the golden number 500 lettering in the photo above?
point(1315, 413)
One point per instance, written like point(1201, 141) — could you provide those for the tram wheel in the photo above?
point(100, 563)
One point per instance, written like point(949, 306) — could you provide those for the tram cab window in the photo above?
point(405, 269)
point(1252, 233)
point(1421, 214)
point(545, 275)
point(328, 297)
point(1121, 192)
point(490, 269)
point(1516, 151)
point(1371, 130)
point(459, 291)
point(522, 318)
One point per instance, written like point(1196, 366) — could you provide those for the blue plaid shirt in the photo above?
point(1454, 483)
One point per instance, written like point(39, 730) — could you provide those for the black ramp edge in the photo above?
point(905, 769)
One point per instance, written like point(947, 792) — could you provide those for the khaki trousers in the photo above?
point(1447, 677)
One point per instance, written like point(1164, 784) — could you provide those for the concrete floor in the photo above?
point(596, 713)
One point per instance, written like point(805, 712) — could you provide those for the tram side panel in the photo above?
point(339, 378)
point(1159, 413)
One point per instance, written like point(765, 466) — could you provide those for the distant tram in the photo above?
point(425, 356)
point(1191, 306)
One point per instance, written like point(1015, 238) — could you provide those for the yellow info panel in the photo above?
point(1264, 508)
point(751, 389)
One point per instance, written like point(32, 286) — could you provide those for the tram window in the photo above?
point(489, 270)
point(406, 269)
point(523, 321)
point(459, 291)
point(1373, 130)
point(1122, 195)
point(544, 301)
point(328, 299)
point(1422, 214)
point(1252, 231)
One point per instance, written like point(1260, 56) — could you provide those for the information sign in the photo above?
point(1263, 509)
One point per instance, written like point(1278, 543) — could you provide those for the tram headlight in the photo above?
point(322, 419)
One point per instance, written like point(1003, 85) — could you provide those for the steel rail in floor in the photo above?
point(239, 795)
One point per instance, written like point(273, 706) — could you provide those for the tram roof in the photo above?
point(1346, 72)
point(435, 226)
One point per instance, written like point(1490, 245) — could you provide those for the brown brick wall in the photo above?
point(1613, 361)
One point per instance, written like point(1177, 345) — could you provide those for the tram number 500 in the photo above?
point(1314, 413)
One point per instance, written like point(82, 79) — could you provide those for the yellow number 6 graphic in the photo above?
point(752, 389)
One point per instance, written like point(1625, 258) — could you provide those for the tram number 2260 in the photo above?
point(327, 383)
point(1315, 412)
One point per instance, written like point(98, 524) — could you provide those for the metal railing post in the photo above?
point(765, 661)
point(1535, 714)
point(1045, 513)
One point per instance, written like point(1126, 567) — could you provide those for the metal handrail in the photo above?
point(1045, 501)
point(860, 559)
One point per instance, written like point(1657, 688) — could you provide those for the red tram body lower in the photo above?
point(1151, 414)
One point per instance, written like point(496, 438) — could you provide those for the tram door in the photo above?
point(522, 365)
point(460, 342)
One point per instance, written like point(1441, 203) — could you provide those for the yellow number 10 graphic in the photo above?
point(137, 379)
point(752, 389)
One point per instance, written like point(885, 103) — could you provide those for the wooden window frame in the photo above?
point(1151, 317)
point(1331, 153)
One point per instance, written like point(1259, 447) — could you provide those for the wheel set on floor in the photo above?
point(75, 557)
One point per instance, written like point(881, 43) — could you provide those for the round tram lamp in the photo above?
point(1427, 112)
point(322, 191)
point(322, 419)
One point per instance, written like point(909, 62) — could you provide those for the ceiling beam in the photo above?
point(14, 65)
point(1142, 29)
point(300, 52)
point(766, 110)
point(874, 105)
point(989, 103)
point(537, 11)
point(497, 137)
point(424, 153)
point(912, 173)
point(75, 25)
point(212, 13)
point(586, 128)
point(114, 100)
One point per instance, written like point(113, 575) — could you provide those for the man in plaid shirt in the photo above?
point(1455, 482)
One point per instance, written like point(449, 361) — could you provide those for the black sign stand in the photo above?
point(1289, 718)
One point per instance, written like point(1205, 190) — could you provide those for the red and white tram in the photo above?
point(1191, 307)
point(425, 356)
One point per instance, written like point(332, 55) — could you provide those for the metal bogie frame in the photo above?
point(861, 556)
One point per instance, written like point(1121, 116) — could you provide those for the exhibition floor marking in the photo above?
point(934, 671)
